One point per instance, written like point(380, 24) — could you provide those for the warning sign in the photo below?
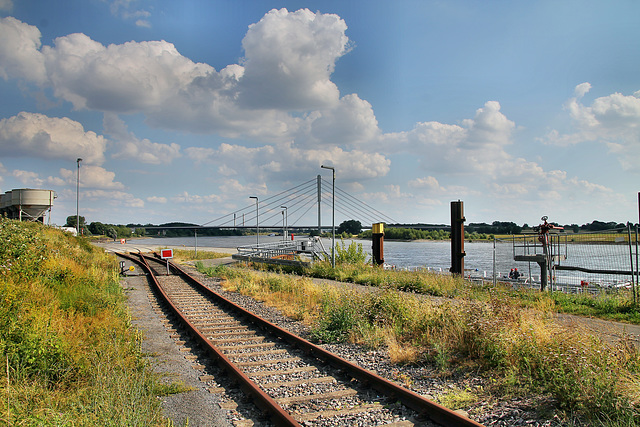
point(166, 253)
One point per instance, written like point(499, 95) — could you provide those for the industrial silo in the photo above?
point(29, 204)
point(5, 205)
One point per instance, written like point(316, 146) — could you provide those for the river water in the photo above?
point(426, 254)
point(436, 255)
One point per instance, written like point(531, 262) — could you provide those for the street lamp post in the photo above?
point(285, 222)
point(257, 221)
point(333, 216)
point(78, 198)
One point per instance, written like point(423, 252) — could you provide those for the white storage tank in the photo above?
point(29, 204)
point(5, 200)
point(5, 205)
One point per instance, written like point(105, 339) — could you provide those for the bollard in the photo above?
point(377, 237)
point(457, 237)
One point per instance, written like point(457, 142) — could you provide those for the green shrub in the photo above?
point(338, 318)
point(353, 254)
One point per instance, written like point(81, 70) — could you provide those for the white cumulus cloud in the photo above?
point(141, 150)
point(20, 56)
point(613, 120)
point(477, 145)
point(92, 177)
point(287, 66)
point(131, 77)
point(265, 163)
point(37, 135)
point(157, 199)
point(289, 58)
point(188, 199)
point(429, 184)
point(28, 178)
point(113, 198)
point(351, 123)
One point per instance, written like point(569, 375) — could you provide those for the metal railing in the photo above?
point(282, 252)
point(583, 262)
point(530, 245)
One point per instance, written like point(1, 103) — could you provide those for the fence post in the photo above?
point(631, 260)
point(635, 284)
point(494, 261)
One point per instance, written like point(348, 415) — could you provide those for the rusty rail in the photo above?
point(415, 401)
point(278, 415)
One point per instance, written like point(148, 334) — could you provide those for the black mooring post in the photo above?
point(544, 275)
point(377, 237)
point(457, 237)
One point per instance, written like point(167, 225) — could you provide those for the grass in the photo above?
point(180, 255)
point(69, 355)
point(616, 305)
point(507, 338)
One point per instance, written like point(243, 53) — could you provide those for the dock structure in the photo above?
point(546, 262)
point(284, 252)
point(545, 248)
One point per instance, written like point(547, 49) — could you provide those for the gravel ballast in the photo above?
point(210, 404)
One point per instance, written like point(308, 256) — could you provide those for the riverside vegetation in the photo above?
point(508, 337)
point(69, 353)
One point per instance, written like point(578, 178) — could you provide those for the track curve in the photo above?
point(294, 381)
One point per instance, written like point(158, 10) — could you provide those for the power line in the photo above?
point(301, 198)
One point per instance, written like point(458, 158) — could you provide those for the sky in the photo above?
point(181, 111)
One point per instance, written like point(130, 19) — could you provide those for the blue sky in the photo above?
point(182, 110)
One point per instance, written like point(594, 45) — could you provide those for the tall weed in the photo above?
point(352, 254)
point(65, 336)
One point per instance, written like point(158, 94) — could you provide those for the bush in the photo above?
point(353, 254)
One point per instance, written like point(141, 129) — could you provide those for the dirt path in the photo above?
point(610, 331)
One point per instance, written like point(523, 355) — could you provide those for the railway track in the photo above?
point(291, 380)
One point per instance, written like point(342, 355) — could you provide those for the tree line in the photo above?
point(348, 228)
point(172, 229)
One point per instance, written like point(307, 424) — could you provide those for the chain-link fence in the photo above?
point(573, 262)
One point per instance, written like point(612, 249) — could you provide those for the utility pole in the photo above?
point(333, 216)
point(78, 199)
point(257, 221)
point(319, 203)
point(285, 223)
